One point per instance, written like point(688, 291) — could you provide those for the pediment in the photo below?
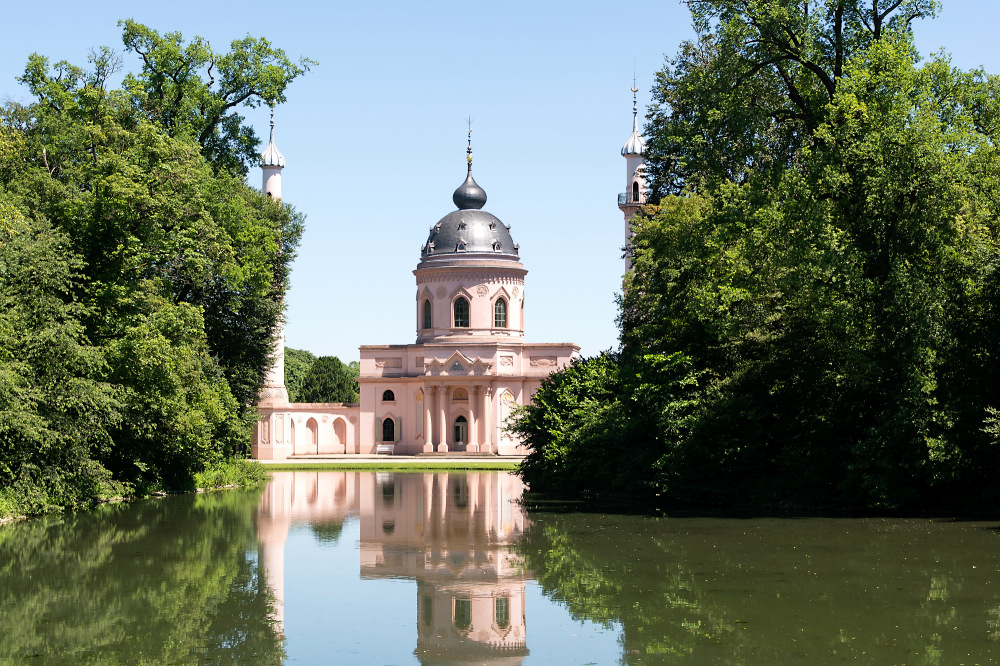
point(457, 365)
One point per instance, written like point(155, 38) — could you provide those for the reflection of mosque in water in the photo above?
point(449, 532)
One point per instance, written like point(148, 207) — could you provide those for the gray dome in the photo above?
point(469, 230)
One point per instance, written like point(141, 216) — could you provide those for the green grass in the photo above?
point(506, 465)
point(232, 472)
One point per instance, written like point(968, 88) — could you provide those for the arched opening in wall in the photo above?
point(500, 313)
point(461, 432)
point(312, 435)
point(461, 308)
point(291, 433)
point(388, 430)
point(635, 192)
point(388, 396)
point(339, 432)
point(427, 314)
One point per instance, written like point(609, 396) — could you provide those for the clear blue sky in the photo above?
point(374, 137)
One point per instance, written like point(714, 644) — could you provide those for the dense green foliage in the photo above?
point(142, 278)
point(330, 380)
point(297, 364)
point(810, 316)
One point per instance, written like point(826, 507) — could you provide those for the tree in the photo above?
point(54, 409)
point(330, 380)
point(297, 364)
point(755, 84)
point(182, 266)
point(192, 91)
point(831, 303)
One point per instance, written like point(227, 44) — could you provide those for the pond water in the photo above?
point(450, 568)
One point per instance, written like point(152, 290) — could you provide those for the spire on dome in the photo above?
point(271, 157)
point(635, 145)
point(469, 195)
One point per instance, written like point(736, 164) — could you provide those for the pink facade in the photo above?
point(456, 386)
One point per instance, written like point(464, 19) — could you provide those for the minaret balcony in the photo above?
point(630, 199)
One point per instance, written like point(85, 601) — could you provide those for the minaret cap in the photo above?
point(635, 145)
point(272, 157)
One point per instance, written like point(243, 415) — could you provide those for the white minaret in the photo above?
point(634, 195)
point(271, 164)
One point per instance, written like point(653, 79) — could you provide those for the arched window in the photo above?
point(635, 192)
point(461, 313)
point(388, 396)
point(388, 431)
point(500, 314)
point(427, 313)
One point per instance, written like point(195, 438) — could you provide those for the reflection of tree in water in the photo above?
point(327, 532)
point(163, 581)
point(768, 590)
point(653, 598)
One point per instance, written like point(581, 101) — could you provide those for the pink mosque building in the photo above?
point(454, 388)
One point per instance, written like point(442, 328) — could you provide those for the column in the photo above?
point(484, 415)
point(473, 418)
point(430, 394)
point(443, 419)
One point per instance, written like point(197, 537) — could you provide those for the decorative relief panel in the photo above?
point(515, 292)
point(394, 362)
point(544, 361)
point(483, 290)
point(440, 292)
